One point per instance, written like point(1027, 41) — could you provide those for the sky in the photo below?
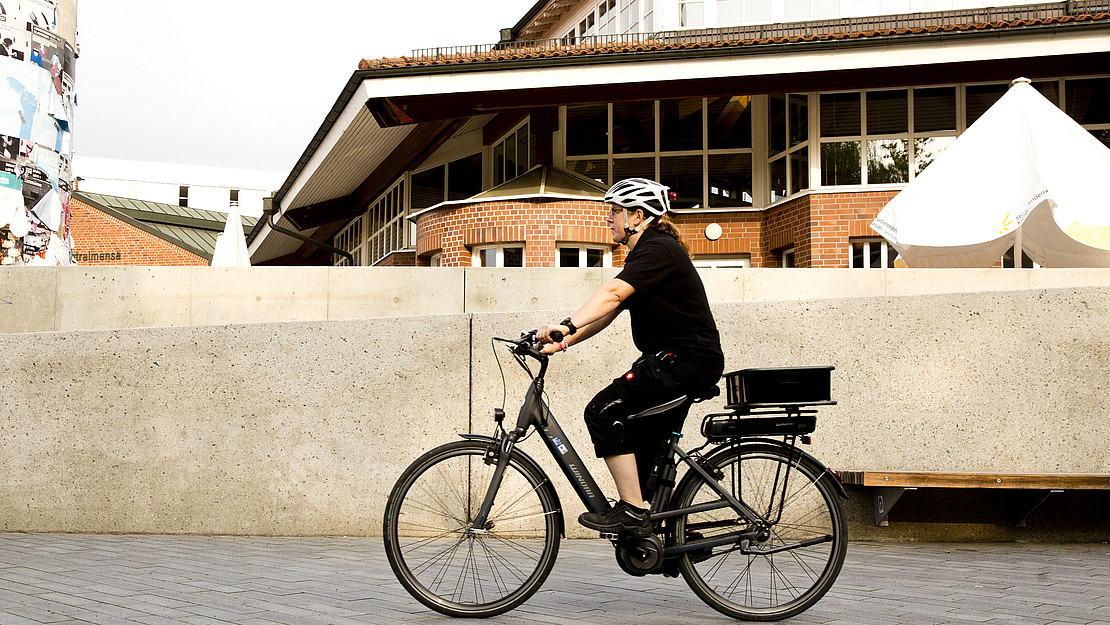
point(243, 84)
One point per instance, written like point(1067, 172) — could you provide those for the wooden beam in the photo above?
point(931, 479)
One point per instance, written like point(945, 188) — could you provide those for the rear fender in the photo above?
point(826, 473)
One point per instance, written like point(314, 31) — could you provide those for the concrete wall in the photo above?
point(302, 427)
point(43, 299)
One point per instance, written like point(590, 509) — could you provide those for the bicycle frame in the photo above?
point(534, 412)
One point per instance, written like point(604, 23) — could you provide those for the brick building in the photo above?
point(784, 128)
point(110, 230)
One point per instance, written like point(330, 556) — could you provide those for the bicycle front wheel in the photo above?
point(448, 564)
point(784, 565)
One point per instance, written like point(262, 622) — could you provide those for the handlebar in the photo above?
point(527, 345)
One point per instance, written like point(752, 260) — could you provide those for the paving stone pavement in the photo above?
point(64, 578)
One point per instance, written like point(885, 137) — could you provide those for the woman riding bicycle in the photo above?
point(673, 328)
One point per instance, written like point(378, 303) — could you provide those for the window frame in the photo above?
point(476, 254)
point(583, 249)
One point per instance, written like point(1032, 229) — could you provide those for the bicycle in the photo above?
point(755, 526)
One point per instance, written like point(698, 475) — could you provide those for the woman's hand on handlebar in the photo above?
point(549, 334)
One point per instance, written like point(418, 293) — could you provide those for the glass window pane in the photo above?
point(568, 256)
point(799, 170)
point(979, 98)
point(875, 250)
point(498, 163)
point(514, 257)
point(840, 163)
point(633, 127)
point(776, 123)
point(840, 114)
point(1050, 89)
point(728, 12)
point(489, 257)
point(680, 124)
point(887, 112)
point(522, 162)
point(427, 188)
point(633, 168)
point(596, 169)
point(1103, 136)
point(927, 149)
point(1088, 101)
point(857, 255)
point(730, 180)
point(799, 119)
point(587, 129)
point(510, 158)
point(934, 109)
point(595, 258)
point(888, 161)
point(778, 179)
point(730, 122)
point(683, 174)
point(464, 177)
point(692, 14)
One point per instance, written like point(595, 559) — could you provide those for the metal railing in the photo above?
point(600, 43)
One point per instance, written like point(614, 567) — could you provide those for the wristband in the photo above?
point(571, 329)
point(563, 346)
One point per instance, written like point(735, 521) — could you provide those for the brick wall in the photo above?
point(837, 217)
point(539, 224)
point(818, 226)
point(95, 232)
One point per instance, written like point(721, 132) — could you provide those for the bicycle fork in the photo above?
point(504, 450)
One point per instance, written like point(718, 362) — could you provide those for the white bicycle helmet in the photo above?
point(641, 193)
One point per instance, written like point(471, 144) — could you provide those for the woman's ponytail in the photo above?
point(664, 225)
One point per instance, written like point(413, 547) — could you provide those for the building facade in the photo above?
point(783, 128)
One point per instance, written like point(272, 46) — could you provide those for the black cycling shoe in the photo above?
point(621, 517)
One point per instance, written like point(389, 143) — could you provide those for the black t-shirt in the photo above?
point(669, 308)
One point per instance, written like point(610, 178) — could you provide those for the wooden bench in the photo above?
point(889, 486)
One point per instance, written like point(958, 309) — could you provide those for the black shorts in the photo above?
point(653, 380)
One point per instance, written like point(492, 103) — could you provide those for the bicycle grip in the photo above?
point(556, 336)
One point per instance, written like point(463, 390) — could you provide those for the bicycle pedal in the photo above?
point(609, 535)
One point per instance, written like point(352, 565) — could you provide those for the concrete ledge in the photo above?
point(45, 299)
point(301, 428)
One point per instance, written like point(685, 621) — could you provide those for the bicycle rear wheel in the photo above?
point(789, 563)
point(451, 566)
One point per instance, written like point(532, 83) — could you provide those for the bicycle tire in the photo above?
point(755, 586)
point(448, 566)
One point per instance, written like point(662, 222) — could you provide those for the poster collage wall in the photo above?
point(37, 101)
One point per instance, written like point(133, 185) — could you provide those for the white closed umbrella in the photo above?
point(231, 245)
point(1024, 166)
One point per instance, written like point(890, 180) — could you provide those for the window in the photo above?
point(183, 195)
point(387, 229)
point(630, 17)
point(607, 17)
point(349, 239)
point(788, 144)
point(700, 147)
point(786, 257)
point(884, 136)
point(723, 261)
point(498, 256)
point(872, 253)
point(729, 12)
point(691, 13)
point(436, 260)
point(584, 256)
point(233, 200)
point(513, 155)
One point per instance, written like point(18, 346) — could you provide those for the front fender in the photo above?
point(531, 465)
